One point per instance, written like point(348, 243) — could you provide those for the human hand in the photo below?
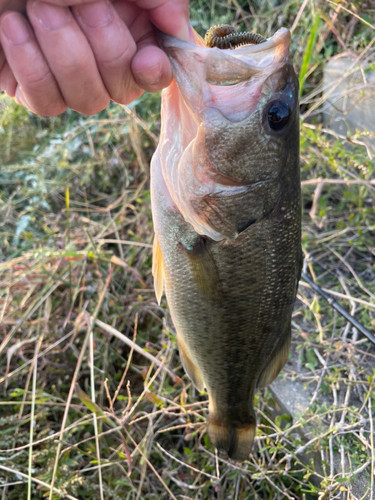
point(53, 57)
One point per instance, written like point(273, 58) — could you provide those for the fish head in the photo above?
point(232, 122)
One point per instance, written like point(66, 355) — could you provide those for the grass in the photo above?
point(102, 409)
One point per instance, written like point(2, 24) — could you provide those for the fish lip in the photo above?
point(281, 37)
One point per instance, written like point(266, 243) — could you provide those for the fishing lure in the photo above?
point(225, 37)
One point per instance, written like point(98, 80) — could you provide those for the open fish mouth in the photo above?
point(201, 72)
point(217, 95)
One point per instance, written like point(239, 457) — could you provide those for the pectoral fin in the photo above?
point(189, 366)
point(157, 269)
point(203, 269)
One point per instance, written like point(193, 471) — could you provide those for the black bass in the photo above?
point(226, 204)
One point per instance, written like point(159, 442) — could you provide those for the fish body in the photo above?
point(226, 204)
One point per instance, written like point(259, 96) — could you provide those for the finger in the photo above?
point(7, 81)
point(17, 5)
point(69, 57)
point(171, 16)
point(151, 68)
point(2, 58)
point(68, 3)
point(37, 88)
point(113, 48)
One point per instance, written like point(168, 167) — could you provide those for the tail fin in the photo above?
point(237, 441)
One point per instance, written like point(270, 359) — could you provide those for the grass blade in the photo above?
point(311, 42)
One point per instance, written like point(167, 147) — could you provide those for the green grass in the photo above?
point(82, 410)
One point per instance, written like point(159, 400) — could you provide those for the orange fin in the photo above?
point(237, 441)
point(157, 269)
point(275, 365)
point(189, 366)
point(198, 39)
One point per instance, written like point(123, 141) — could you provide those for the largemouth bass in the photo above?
point(226, 204)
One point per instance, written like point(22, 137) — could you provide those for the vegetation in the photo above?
point(94, 401)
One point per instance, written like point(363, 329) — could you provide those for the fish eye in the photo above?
point(278, 114)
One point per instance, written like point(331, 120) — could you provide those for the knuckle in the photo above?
point(92, 108)
point(118, 57)
point(73, 63)
point(127, 96)
point(37, 79)
point(53, 111)
point(45, 108)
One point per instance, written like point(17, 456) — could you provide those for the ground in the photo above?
point(94, 401)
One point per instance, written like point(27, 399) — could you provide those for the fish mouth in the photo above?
point(229, 80)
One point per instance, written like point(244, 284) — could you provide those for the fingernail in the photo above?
point(150, 76)
point(95, 14)
point(50, 16)
point(15, 28)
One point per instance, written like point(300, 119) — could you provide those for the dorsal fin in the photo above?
point(157, 269)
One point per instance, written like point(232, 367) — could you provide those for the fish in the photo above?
point(226, 208)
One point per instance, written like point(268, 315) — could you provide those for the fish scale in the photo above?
point(229, 259)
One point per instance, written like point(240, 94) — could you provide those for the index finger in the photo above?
point(171, 16)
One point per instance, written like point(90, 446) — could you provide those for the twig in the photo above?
point(372, 447)
point(353, 14)
point(95, 418)
point(298, 16)
point(245, 471)
point(128, 362)
point(339, 309)
point(27, 315)
point(35, 375)
point(317, 193)
point(74, 380)
point(186, 465)
point(343, 284)
point(38, 481)
point(140, 122)
point(217, 464)
point(24, 365)
point(301, 449)
point(139, 350)
point(322, 375)
point(319, 180)
point(342, 296)
point(127, 414)
point(123, 242)
point(150, 465)
point(352, 272)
